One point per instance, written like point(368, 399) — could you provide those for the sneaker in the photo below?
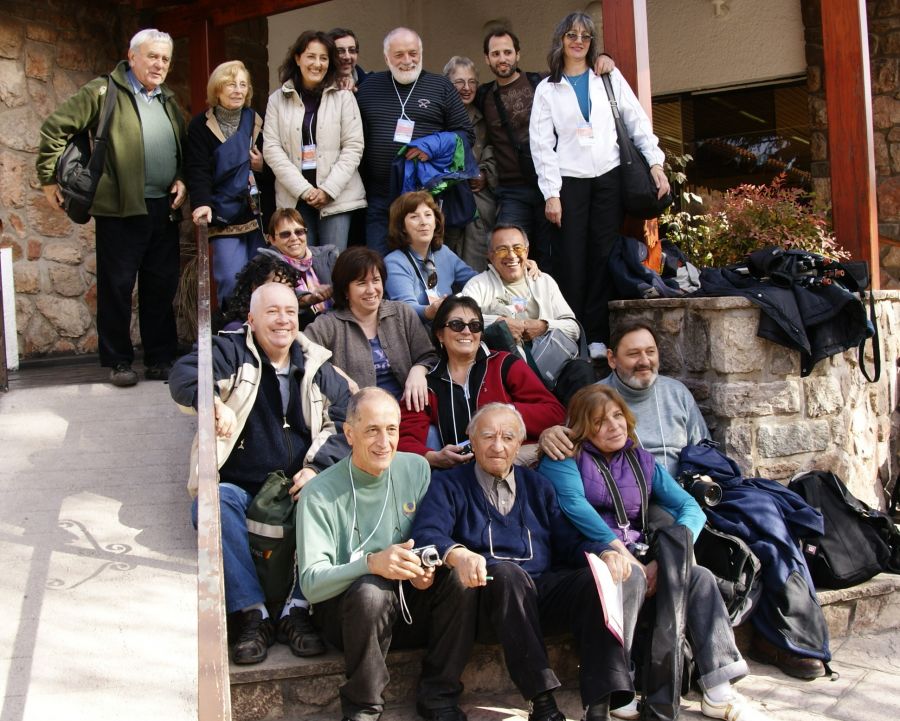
point(736, 708)
point(158, 372)
point(447, 713)
point(629, 711)
point(597, 350)
point(255, 635)
point(801, 667)
point(297, 631)
point(122, 375)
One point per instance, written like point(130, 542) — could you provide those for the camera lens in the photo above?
point(707, 493)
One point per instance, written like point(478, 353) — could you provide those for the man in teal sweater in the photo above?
point(354, 554)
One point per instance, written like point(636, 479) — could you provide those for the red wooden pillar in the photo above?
point(851, 151)
point(207, 49)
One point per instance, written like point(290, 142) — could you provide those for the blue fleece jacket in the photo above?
point(407, 284)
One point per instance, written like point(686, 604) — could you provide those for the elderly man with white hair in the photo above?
point(141, 185)
point(398, 105)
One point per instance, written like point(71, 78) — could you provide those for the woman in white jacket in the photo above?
point(576, 156)
point(313, 141)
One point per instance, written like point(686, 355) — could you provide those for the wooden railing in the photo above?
point(213, 690)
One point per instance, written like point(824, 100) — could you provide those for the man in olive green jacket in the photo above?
point(137, 237)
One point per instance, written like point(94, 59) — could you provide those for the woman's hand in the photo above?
point(659, 177)
point(531, 269)
point(204, 212)
point(317, 198)
point(256, 160)
point(415, 392)
point(553, 211)
point(618, 565)
point(432, 308)
point(447, 457)
point(319, 294)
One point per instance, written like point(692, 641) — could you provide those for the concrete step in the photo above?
point(287, 687)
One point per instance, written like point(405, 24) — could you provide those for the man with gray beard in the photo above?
point(398, 105)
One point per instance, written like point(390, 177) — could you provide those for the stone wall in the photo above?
point(770, 420)
point(883, 18)
point(48, 49)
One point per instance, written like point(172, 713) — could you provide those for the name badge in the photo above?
point(518, 305)
point(404, 131)
point(356, 555)
point(585, 134)
point(308, 157)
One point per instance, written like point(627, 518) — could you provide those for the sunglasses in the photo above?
point(503, 251)
point(573, 37)
point(432, 280)
point(298, 232)
point(457, 326)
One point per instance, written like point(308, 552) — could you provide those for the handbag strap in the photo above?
point(98, 154)
point(876, 344)
point(616, 495)
point(621, 131)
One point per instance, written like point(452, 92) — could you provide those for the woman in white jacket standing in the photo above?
point(576, 156)
point(313, 141)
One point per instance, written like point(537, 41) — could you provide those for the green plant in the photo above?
point(675, 168)
point(750, 217)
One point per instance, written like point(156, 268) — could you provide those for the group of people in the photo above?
point(330, 143)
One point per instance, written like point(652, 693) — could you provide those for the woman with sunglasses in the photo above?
point(576, 157)
point(287, 239)
point(376, 342)
point(467, 377)
point(605, 490)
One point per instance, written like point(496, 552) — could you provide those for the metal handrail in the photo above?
point(213, 688)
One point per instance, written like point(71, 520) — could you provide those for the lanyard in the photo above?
point(408, 96)
point(387, 492)
point(415, 266)
point(308, 130)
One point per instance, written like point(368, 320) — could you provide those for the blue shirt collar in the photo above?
point(139, 89)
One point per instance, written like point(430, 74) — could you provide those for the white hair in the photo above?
point(493, 407)
point(397, 31)
point(150, 35)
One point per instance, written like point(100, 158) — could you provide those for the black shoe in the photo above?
point(254, 636)
point(447, 713)
point(801, 667)
point(297, 631)
point(543, 708)
point(122, 375)
point(597, 711)
point(158, 372)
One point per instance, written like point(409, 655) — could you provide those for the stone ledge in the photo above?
point(714, 302)
point(880, 585)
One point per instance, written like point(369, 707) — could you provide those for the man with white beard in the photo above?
point(399, 105)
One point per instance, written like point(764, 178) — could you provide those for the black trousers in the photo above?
point(143, 248)
point(520, 610)
point(365, 621)
point(591, 217)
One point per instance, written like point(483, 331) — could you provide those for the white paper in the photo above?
point(610, 594)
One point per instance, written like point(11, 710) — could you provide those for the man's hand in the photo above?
point(345, 82)
point(659, 177)
point(256, 160)
point(54, 197)
point(420, 583)
point(415, 392)
point(477, 184)
point(180, 191)
point(556, 443)
point(605, 64)
point(650, 571)
point(448, 457)
point(416, 154)
point(619, 566)
point(470, 567)
point(535, 328)
point(204, 212)
point(301, 478)
point(396, 563)
point(553, 211)
point(226, 420)
point(516, 327)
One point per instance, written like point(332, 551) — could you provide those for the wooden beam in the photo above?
point(851, 150)
point(177, 22)
point(625, 39)
point(207, 49)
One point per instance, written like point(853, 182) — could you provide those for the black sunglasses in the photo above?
point(432, 280)
point(457, 326)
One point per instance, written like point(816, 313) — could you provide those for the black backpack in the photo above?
point(856, 543)
point(735, 568)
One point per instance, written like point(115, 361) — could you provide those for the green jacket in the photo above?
point(120, 192)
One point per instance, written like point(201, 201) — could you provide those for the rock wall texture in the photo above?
point(770, 420)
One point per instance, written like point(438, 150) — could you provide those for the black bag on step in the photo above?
point(851, 550)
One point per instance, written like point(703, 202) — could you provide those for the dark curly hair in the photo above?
point(263, 268)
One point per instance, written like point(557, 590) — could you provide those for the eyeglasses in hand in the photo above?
point(432, 280)
point(508, 558)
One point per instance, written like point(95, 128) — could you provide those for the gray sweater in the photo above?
point(403, 338)
point(668, 418)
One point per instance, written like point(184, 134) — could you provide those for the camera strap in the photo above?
point(621, 518)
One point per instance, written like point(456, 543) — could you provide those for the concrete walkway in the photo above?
point(98, 594)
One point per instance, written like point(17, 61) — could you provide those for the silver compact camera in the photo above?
point(428, 555)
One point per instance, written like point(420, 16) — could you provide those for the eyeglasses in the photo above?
point(457, 326)
point(508, 558)
point(502, 251)
point(573, 36)
point(348, 51)
point(432, 280)
point(298, 232)
point(460, 84)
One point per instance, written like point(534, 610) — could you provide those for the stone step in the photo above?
point(287, 687)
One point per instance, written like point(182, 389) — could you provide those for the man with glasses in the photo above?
point(350, 74)
point(528, 307)
point(499, 528)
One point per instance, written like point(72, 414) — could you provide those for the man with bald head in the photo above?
point(280, 405)
point(398, 105)
point(354, 552)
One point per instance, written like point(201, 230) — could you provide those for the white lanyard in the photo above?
point(408, 96)
point(387, 492)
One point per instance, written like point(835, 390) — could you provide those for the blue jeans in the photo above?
point(242, 586)
point(523, 205)
point(229, 255)
point(377, 223)
point(330, 230)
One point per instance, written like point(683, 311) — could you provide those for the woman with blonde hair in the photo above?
point(221, 157)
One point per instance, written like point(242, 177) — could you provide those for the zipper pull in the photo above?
point(286, 424)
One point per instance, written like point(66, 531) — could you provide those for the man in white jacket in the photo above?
point(530, 308)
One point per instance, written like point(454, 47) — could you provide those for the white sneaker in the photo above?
point(736, 708)
point(597, 350)
point(630, 711)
